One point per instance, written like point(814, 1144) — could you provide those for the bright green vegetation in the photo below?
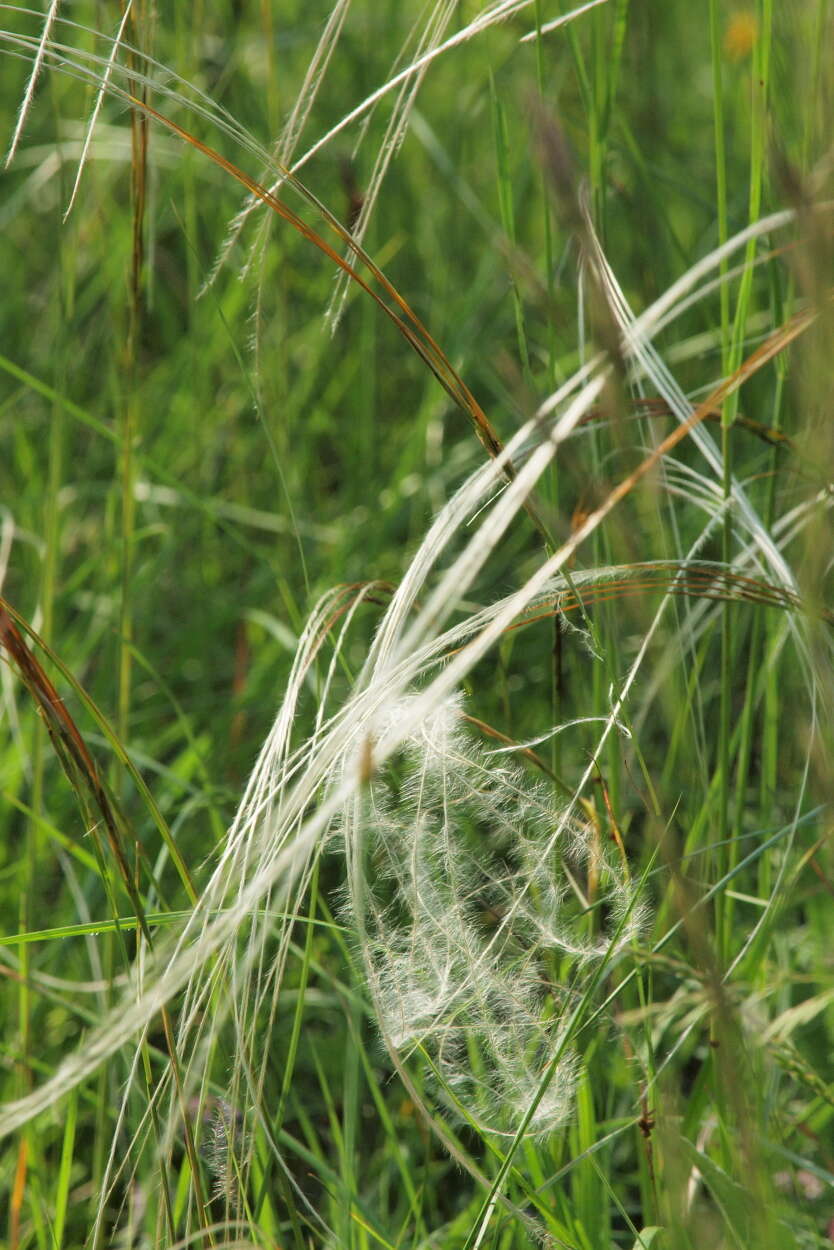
point(579, 994)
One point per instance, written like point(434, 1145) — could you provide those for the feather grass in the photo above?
point(489, 924)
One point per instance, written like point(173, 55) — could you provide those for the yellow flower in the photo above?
point(741, 33)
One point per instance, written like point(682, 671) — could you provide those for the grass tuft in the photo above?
point(412, 838)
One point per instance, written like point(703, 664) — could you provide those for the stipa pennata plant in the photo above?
point(483, 913)
point(482, 906)
point(223, 959)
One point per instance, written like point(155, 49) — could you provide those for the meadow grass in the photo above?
point(414, 558)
